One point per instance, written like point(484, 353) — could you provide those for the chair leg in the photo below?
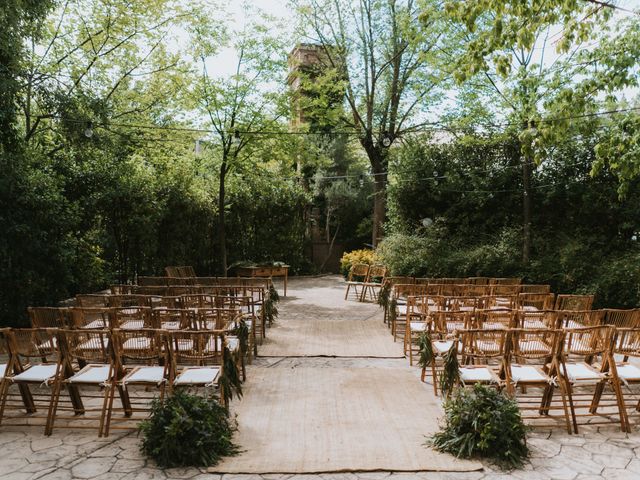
point(112, 394)
point(105, 409)
point(53, 406)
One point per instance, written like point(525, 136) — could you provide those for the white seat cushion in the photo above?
point(582, 373)
point(628, 372)
point(476, 374)
point(133, 325)
point(37, 373)
point(401, 309)
point(3, 369)
point(137, 343)
point(529, 308)
point(198, 376)
point(418, 326)
point(171, 325)
point(145, 375)
point(442, 346)
point(527, 373)
point(92, 374)
point(232, 342)
point(95, 325)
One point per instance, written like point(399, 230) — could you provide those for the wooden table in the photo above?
point(265, 271)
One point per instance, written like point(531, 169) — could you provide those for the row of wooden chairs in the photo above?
point(402, 303)
point(464, 289)
point(145, 281)
point(456, 280)
point(446, 323)
point(106, 361)
point(579, 362)
point(136, 318)
point(367, 278)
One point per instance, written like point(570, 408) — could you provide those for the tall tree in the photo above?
point(243, 106)
point(528, 53)
point(386, 64)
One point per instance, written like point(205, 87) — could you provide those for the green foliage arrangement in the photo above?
point(450, 377)
point(188, 430)
point(230, 381)
point(241, 330)
point(363, 255)
point(425, 350)
point(384, 295)
point(483, 422)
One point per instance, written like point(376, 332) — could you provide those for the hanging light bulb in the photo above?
point(386, 139)
point(361, 181)
point(88, 132)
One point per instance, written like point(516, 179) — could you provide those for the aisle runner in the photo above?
point(307, 416)
point(315, 320)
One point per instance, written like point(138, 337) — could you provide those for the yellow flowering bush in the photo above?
point(363, 255)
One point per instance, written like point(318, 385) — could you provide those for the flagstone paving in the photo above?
point(25, 454)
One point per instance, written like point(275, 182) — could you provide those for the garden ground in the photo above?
point(305, 340)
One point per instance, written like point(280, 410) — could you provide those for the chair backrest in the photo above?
point(376, 274)
point(483, 346)
point(447, 323)
point(358, 272)
point(172, 272)
point(173, 318)
point(133, 300)
point(494, 318)
point(196, 347)
point(403, 280)
point(621, 318)
point(150, 290)
point(627, 342)
point(535, 288)
point(139, 347)
point(49, 317)
point(579, 318)
point(506, 281)
point(92, 318)
point(500, 290)
point(32, 345)
point(526, 345)
point(540, 301)
point(132, 318)
point(478, 280)
point(573, 302)
point(89, 346)
point(537, 319)
point(216, 318)
point(92, 300)
point(587, 341)
point(124, 289)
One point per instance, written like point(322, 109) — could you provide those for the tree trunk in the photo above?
point(379, 207)
point(222, 234)
point(526, 209)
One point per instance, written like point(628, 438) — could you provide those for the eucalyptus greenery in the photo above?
point(188, 430)
point(450, 376)
point(393, 305)
point(425, 350)
point(384, 296)
point(241, 330)
point(230, 381)
point(274, 296)
point(483, 422)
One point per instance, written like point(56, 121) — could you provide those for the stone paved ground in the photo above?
point(25, 454)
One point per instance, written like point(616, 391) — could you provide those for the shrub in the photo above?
point(357, 256)
point(188, 430)
point(483, 422)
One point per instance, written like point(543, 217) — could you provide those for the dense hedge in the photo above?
point(584, 236)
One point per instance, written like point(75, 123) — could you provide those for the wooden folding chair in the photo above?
point(567, 319)
point(358, 274)
point(443, 332)
point(482, 354)
point(87, 362)
point(92, 300)
point(196, 359)
point(627, 345)
point(34, 361)
point(141, 360)
point(505, 281)
point(579, 347)
point(132, 300)
point(531, 371)
point(374, 282)
point(132, 318)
